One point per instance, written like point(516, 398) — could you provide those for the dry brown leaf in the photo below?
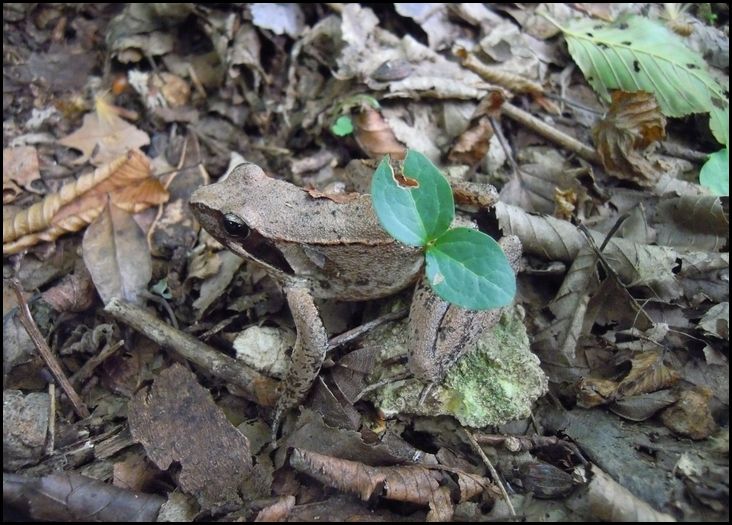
point(515, 83)
point(116, 254)
point(413, 484)
point(649, 373)
point(127, 181)
point(691, 415)
point(472, 145)
point(441, 508)
point(633, 122)
point(374, 135)
point(565, 202)
point(104, 136)
point(67, 496)
point(277, 511)
point(177, 421)
point(20, 168)
point(75, 292)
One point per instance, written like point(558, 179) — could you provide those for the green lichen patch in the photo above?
point(495, 383)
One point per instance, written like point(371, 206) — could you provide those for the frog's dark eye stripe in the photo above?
point(235, 227)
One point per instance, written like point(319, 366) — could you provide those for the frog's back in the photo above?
point(283, 211)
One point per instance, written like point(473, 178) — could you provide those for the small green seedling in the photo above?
point(464, 266)
point(343, 125)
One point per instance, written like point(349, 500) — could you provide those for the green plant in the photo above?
point(464, 266)
point(638, 54)
point(343, 125)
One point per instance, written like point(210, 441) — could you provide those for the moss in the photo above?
point(495, 383)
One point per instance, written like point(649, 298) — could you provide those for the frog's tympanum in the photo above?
point(320, 248)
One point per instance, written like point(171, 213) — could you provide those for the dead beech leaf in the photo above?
point(413, 484)
point(20, 168)
point(126, 180)
point(104, 136)
point(374, 135)
point(632, 123)
point(116, 254)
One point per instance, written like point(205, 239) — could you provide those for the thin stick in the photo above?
point(549, 132)
point(350, 335)
point(48, 357)
point(262, 389)
point(492, 470)
point(86, 370)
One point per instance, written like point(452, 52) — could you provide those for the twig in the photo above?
point(549, 132)
point(48, 357)
point(355, 333)
point(379, 384)
point(86, 370)
point(262, 389)
point(51, 439)
point(493, 471)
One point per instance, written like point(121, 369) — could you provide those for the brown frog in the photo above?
point(321, 248)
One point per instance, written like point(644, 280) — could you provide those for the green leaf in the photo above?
point(468, 268)
point(343, 126)
point(715, 172)
point(638, 54)
point(719, 124)
point(417, 210)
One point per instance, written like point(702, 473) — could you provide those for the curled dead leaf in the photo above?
point(472, 145)
point(126, 180)
point(633, 122)
point(374, 135)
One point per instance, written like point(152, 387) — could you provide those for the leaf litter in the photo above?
point(623, 289)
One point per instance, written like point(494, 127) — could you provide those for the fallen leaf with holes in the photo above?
point(104, 136)
point(116, 254)
point(374, 135)
point(412, 483)
point(633, 122)
point(177, 421)
point(20, 169)
point(126, 180)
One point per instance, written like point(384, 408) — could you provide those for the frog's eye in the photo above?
point(235, 227)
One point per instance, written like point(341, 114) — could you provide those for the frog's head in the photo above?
point(232, 211)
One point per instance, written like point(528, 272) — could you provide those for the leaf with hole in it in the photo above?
point(469, 269)
point(715, 173)
point(638, 54)
point(416, 207)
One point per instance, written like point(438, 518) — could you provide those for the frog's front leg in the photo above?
point(307, 354)
point(440, 332)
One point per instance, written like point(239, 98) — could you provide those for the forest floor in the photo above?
point(142, 361)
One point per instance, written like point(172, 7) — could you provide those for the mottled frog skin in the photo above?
point(334, 249)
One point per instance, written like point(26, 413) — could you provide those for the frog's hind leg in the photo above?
point(308, 353)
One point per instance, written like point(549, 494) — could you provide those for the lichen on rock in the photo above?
point(495, 383)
